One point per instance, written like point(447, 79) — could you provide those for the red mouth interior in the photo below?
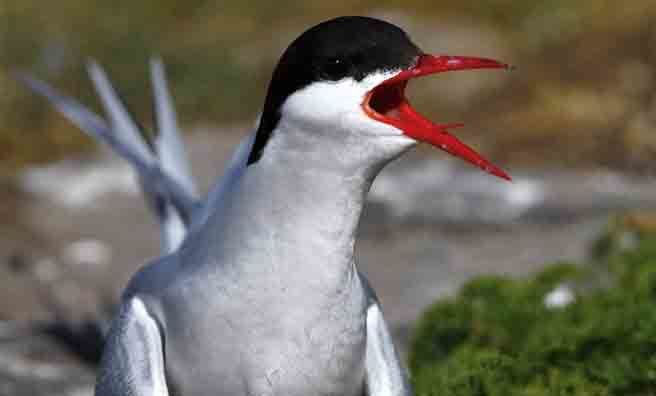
point(386, 103)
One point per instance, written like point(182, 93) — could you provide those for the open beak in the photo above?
point(387, 103)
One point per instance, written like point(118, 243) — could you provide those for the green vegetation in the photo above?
point(497, 337)
point(585, 80)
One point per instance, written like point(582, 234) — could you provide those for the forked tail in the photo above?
point(160, 164)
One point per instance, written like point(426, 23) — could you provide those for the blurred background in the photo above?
point(573, 124)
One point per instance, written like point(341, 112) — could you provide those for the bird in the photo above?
point(257, 291)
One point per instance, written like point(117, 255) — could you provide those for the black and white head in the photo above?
point(344, 80)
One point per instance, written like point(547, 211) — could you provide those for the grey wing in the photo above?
point(167, 159)
point(163, 173)
point(168, 143)
point(133, 361)
point(385, 374)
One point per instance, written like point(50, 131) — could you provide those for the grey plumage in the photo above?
point(263, 296)
point(163, 173)
point(168, 144)
point(152, 349)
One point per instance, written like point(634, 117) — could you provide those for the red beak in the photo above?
point(387, 103)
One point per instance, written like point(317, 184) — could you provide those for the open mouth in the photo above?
point(387, 103)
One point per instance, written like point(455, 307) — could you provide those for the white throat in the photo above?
point(297, 209)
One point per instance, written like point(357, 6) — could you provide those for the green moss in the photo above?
point(497, 337)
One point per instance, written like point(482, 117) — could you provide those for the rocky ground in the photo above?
point(73, 232)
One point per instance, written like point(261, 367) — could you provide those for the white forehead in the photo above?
point(334, 102)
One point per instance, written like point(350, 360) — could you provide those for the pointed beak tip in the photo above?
point(503, 175)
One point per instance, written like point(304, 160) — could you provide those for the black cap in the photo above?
point(349, 46)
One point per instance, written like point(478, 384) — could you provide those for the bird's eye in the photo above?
point(334, 69)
